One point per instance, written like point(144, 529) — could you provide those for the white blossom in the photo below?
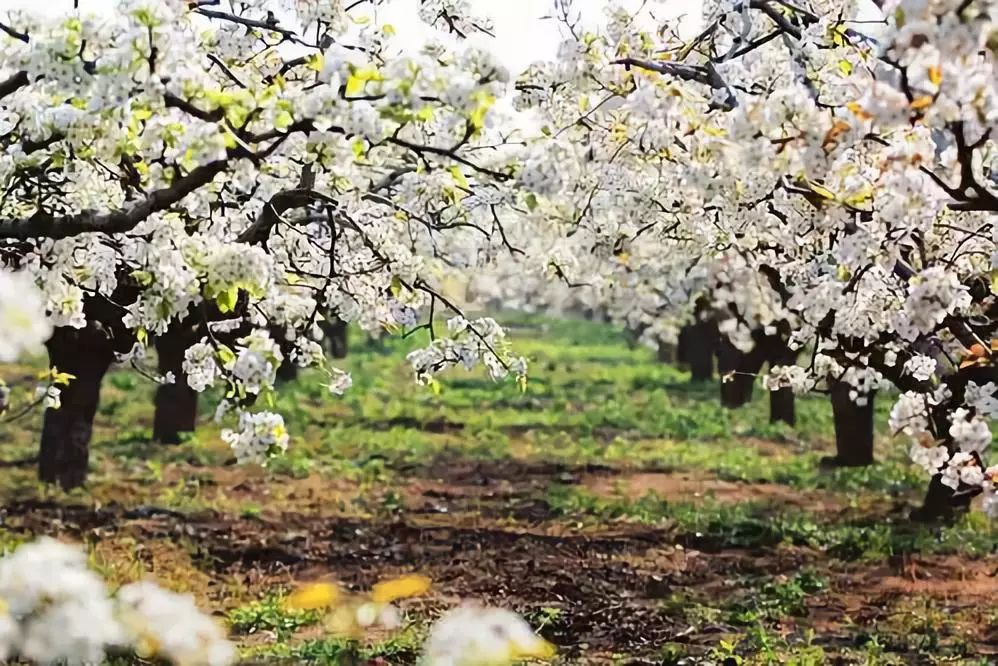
point(970, 433)
point(920, 367)
point(260, 436)
point(23, 325)
point(480, 636)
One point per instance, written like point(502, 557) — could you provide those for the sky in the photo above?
point(522, 36)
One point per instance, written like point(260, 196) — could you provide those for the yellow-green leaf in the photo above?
point(821, 190)
point(227, 299)
point(358, 148)
point(283, 120)
point(354, 86)
point(459, 177)
point(315, 62)
point(225, 354)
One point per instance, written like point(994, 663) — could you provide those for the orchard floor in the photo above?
point(615, 505)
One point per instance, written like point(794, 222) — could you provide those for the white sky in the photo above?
point(522, 36)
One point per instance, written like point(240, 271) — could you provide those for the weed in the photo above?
point(269, 614)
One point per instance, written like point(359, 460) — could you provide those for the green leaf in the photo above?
point(227, 299)
point(315, 62)
point(144, 278)
point(283, 120)
point(358, 148)
point(396, 286)
point(531, 201)
point(459, 177)
point(225, 354)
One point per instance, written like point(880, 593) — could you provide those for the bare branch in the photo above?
point(13, 84)
point(46, 226)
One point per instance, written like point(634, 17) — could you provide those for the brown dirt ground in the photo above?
point(480, 531)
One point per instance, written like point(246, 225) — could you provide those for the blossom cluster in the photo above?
point(836, 182)
point(54, 609)
point(243, 171)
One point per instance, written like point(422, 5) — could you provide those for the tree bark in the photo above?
point(781, 402)
point(288, 370)
point(65, 448)
point(682, 343)
point(782, 407)
point(177, 403)
point(335, 330)
point(941, 504)
point(699, 351)
point(736, 391)
point(666, 352)
point(853, 428)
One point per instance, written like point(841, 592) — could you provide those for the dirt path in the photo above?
point(487, 531)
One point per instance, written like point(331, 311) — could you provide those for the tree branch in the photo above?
point(46, 226)
point(14, 83)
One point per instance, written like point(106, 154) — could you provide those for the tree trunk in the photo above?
point(736, 390)
point(666, 352)
point(853, 428)
point(288, 370)
point(699, 351)
point(177, 403)
point(781, 407)
point(682, 344)
point(336, 334)
point(781, 403)
point(65, 449)
point(940, 505)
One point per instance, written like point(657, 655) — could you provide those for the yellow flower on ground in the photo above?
point(400, 588)
point(353, 615)
point(314, 596)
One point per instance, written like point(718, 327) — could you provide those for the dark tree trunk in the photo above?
point(177, 403)
point(65, 449)
point(941, 504)
point(335, 330)
point(682, 343)
point(288, 370)
point(781, 407)
point(736, 389)
point(853, 428)
point(666, 352)
point(699, 351)
point(781, 403)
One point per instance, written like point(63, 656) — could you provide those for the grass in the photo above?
point(532, 500)
point(717, 526)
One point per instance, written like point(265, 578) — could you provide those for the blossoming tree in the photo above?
point(205, 173)
point(845, 165)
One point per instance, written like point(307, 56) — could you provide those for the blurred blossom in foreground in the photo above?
point(23, 325)
point(480, 636)
point(54, 609)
